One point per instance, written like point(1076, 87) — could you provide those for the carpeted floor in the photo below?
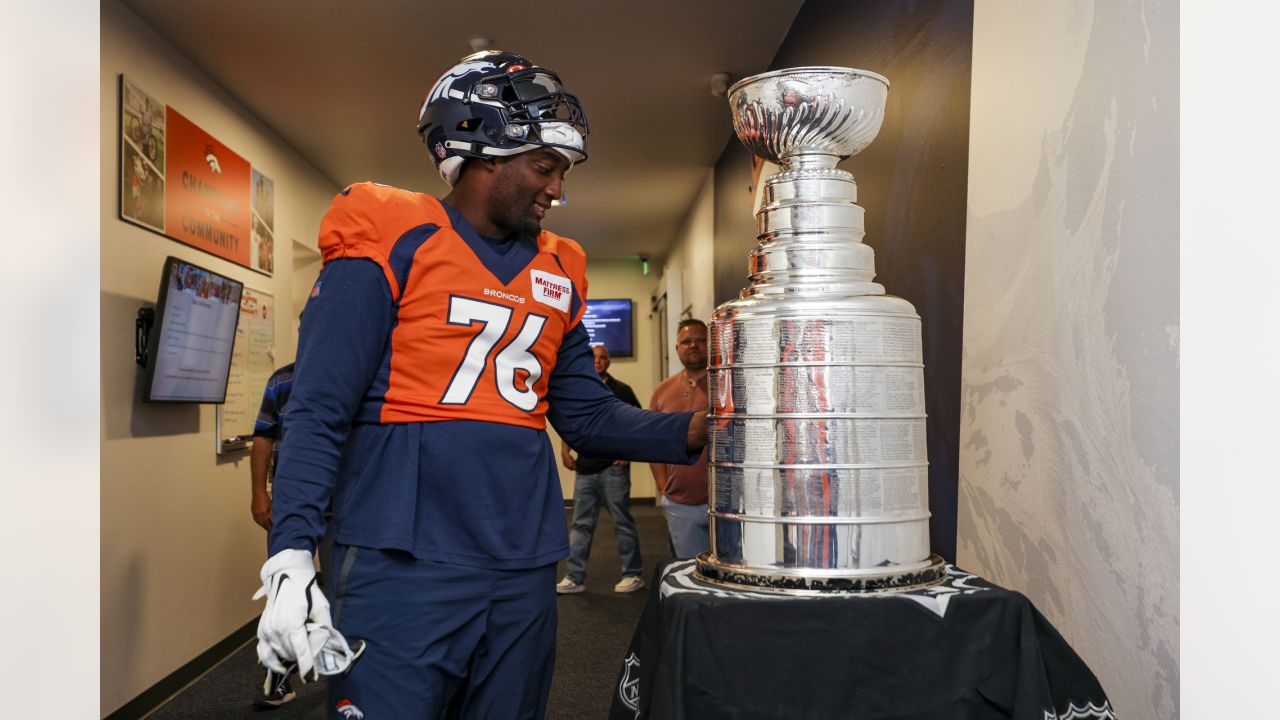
point(595, 629)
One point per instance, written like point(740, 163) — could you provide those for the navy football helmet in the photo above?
point(494, 104)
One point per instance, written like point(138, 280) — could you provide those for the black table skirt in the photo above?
point(962, 650)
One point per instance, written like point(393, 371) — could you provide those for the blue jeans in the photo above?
point(688, 525)
point(611, 487)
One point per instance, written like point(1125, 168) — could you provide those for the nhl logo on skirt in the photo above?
point(629, 687)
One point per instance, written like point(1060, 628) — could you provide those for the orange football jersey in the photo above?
point(472, 340)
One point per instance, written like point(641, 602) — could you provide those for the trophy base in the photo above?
point(795, 581)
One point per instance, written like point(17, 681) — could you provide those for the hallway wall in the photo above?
point(180, 552)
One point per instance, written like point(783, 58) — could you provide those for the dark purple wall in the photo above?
point(911, 181)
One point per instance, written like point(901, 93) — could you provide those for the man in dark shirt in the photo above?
point(608, 482)
point(267, 432)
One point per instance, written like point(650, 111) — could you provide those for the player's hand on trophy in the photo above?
point(697, 438)
point(295, 625)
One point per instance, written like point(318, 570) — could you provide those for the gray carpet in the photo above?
point(595, 629)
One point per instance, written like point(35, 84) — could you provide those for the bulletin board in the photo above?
point(252, 362)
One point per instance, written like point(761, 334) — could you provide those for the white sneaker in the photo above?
point(567, 585)
point(628, 584)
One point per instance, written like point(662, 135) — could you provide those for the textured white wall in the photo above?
point(1069, 430)
point(180, 552)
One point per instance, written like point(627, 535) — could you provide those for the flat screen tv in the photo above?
point(189, 349)
point(609, 322)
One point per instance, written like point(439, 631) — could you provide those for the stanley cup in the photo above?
point(818, 464)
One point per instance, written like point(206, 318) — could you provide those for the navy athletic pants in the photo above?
point(442, 641)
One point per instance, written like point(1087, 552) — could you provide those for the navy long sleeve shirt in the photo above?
point(472, 493)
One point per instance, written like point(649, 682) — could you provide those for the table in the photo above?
point(962, 650)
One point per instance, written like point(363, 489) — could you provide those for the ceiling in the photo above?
point(341, 82)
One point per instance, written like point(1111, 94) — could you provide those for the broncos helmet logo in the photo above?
point(457, 72)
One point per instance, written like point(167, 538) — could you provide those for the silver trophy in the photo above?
point(818, 464)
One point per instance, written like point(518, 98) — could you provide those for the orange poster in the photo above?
point(207, 194)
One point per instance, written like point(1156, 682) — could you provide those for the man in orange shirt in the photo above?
point(684, 487)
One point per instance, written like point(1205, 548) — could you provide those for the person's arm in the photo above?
point(259, 462)
point(597, 424)
point(265, 430)
point(566, 456)
point(660, 477)
point(340, 346)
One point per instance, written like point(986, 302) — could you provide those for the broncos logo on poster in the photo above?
point(212, 159)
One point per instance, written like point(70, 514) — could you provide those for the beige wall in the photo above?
point(689, 266)
point(180, 553)
point(625, 279)
point(1069, 484)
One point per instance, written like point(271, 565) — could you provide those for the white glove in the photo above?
point(295, 625)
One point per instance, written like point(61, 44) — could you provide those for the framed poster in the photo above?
point(180, 181)
point(142, 145)
point(252, 362)
point(262, 234)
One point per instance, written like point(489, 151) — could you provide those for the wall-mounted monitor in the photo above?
point(609, 322)
point(189, 348)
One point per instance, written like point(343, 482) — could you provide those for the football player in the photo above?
point(440, 337)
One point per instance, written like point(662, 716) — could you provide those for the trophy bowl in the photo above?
point(828, 112)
